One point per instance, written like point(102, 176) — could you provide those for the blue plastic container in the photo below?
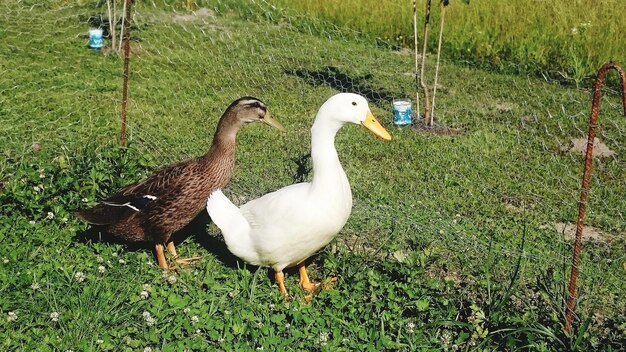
point(402, 111)
point(96, 41)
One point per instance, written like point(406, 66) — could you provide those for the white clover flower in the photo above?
point(149, 263)
point(34, 286)
point(42, 175)
point(410, 327)
point(147, 349)
point(50, 215)
point(5, 260)
point(36, 189)
point(12, 316)
point(575, 30)
point(172, 279)
point(122, 261)
point(287, 325)
point(32, 222)
point(99, 259)
point(259, 348)
point(220, 340)
point(79, 276)
point(99, 342)
point(323, 338)
point(148, 318)
point(102, 269)
point(186, 310)
point(194, 320)
point(147, 288)
point(114, 254)
point(54, 316)
point(84, 200)
point(143, 295)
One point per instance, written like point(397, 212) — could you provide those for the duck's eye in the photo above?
point(354, 103)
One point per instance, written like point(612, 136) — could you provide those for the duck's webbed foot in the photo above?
point(172, 249)
point(312, 286)
point(280, 280)
point(305, 283)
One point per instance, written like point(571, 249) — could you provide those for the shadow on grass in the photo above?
point(303, 169)
point(334, 78)
point(196, 229)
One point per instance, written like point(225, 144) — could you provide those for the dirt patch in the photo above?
point(516, 205)
point(436, 129)
point(442, 273)
point(590, 233)
point(579, 146)
point(407, 52)
point(196, 16)
point(505, 107)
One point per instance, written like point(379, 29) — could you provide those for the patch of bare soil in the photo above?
point(516, 205)
point(505, 107)
point(579, 146)
point(436, 129)
point(198, 15)
point(590, 233)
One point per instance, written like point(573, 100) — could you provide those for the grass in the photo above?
point(446, 247)
point(565, 40)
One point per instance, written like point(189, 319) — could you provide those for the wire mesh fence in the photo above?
point(493, 195)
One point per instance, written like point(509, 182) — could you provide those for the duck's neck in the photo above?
point(221, 155)
point(326, 166)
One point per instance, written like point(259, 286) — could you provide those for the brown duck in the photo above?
point(152, 210)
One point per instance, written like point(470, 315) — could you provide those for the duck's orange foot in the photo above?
point(329, 283)
point(311, 286)
point(280, 280)
point(190, 260)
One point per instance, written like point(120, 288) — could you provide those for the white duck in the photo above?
point(283, 228)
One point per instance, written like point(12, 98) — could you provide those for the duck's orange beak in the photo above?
point(373, 125)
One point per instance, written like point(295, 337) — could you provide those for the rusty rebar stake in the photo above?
point(126, 39)
point(582, 205)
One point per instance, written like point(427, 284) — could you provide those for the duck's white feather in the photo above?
point(283, 228)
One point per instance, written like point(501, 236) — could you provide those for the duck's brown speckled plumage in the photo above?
point(152, 210)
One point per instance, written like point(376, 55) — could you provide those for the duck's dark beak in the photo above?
point(373, 125)
point(268, 119)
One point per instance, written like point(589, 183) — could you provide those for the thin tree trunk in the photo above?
point(443, 14)
point(427, 117)
point(126, 40)
point(122, 30)
point(112, 22)
point(417, 80)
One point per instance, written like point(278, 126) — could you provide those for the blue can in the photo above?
point(96, 41)
point(402, 111)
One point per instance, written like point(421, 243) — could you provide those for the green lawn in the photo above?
point(566, 40)
point(450, 244)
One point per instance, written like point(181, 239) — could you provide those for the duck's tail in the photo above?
point(227, 216)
